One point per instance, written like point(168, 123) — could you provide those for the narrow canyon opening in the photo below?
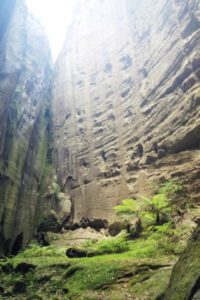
point(100, 149)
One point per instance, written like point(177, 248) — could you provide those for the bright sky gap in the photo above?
point(55, 16)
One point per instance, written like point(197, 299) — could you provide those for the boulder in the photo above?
point(84, 223)
point(42, 239)
point(73, 253)
point(50, 223)
point(185, 278)
point(96, 224)
point(24, 268)
point(115, 228)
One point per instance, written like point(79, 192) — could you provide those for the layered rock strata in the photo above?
point(25, 77)
point(126, 100)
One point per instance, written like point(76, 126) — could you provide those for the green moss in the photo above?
point(16, 159)
point(94, 276)
point(186, 271)
point(108, 246)
point(40, 158)
point(37, 251)
point(128, 207)
point(142, 265)
point(151, 284)
point(58, 276)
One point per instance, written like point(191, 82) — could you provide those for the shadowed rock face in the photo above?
point(185, 278)
point(25, 74)
point(126, 99)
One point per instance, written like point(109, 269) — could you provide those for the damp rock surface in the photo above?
point(126, 100)
point(25, 76)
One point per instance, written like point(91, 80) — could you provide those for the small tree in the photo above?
point(129, 210)
point(148, 212)
point(151, 212)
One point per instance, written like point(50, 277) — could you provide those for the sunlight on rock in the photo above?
point(100, 151)
point(55, 16)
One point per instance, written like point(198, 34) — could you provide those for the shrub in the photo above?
point(112, 246)
point(38, 251)
point(155, 211)
point(108, 246)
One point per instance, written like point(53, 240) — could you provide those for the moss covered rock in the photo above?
point(185, 279)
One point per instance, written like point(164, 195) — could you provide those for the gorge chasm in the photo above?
point(117, 117)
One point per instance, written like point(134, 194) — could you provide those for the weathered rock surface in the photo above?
point(75, 238)
point(25, 77)
point(55, 207)
point(126, 100)
point(96, 224)
point(185, 279)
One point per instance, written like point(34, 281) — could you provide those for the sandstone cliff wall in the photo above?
point(126, 100)
point(25, 74)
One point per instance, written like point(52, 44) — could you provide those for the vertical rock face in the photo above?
point(25, 74)
point(184, 281)
point(126, 100)
point(126, 94)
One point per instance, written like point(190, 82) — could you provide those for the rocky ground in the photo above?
point(122, 267)
point(48, 273)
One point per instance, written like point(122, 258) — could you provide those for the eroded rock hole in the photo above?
point(139, 150)
point(18, 244)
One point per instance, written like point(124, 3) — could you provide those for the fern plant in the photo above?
point(155, 211)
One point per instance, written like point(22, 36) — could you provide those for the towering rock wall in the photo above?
point(25, 74)
point(126, 94)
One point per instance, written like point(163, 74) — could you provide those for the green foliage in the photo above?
point(176, 195)
point(58, 277)
point(108, 246)
point(164, 228)
point(89, 244)
point(171, 188)
point(147, 218)
point(147, 210)
point(34, 250)
point(112, 246)
point(155, 211)
point(153, 283)
point(141, 208)
point(128, 207)
point(95, 276)
point(55, 273)
point(160, 201)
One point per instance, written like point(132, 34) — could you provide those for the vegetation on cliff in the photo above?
point(120, 267)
